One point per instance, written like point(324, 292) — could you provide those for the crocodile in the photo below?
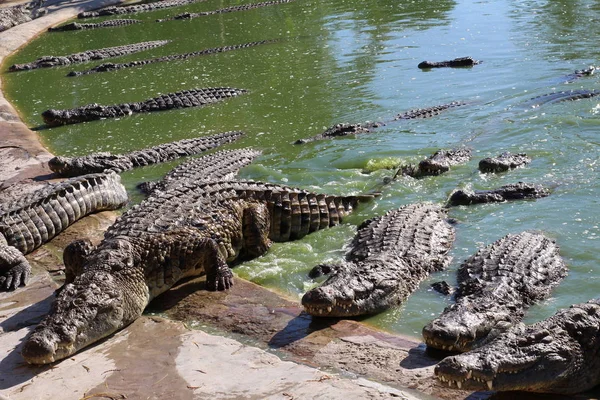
point(503, 162)
point(565, 95)
point(512, 191)
point(244, 7)
point(112, 23)
point(496, 286)
point(188, 230)
point(219, 166)
point(105, 161)
point(457, 62)
point(556, 355)
point(438, 163)
point(106, 67)
point(183, 99)
point(428, 112)
point(36, 218)
point(136, 8)
point(21, 13)
point(388, 258)
point(89, 55)
point(579, 73)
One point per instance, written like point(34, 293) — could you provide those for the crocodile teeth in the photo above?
point(329, 309)
point(469, 374)
point(459, 384)
point(489, 384)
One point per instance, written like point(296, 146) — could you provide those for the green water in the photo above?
point(353, 61)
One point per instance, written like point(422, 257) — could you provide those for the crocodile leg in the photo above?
point(14, 268)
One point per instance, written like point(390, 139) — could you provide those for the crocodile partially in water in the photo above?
point(36, 218)
point(565, 95)
point(457, 62)
point(112, 23)
point(388, 258)
point(243, 7)
point(136, 8)
point(188, 230)
point(512, 191)
point(99, 162)
point(88, 55)
point(438, 163)
point(504, 162)
point(556, 355)
point(183, 99)
point(496, 286)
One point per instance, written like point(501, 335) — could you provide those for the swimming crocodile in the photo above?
point(495, 288)
point(438, 163)
point(89, 55)
point(104, 161)
point(556, 355)
point(503, 162)
point(188, 230)
point(176, 57)
point(136, 8)
point(457, 62)
point(220, 166)
point(428, 112)
point(244, 7)
point(579, 73)
point(388, 258)
point(183, 99)
point(513, 191)
point(566, 95)
point(36, 218)
point(112, 23)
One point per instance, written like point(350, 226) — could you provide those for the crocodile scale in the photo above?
point(112, 23)
point(136, 8)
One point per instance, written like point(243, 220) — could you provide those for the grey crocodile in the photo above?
point(99, 162)
point(136, 8)
point(495, 288)
point(106, 67)
point(512, 191)
point(112, 23)
point(438, 163)
point(566, 95)
point(189, 230)
point(220, 166)
point(457, 62)
point(244, 7)
point(419, 113)
point(579, 73)
point(183, 99)
point(36, 218)
point(388, 258)
point(556, 355)
point(21, 13)
point(89, 55)
point(503, 162)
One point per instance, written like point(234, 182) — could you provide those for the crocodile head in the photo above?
point(99, 162)
point(89, 112)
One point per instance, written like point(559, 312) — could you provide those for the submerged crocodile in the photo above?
point(503, 162)
point(98, 162)
point(183, 99)
point(512, 191)
point(76, 26)
point(428, 112)
point(556, 355)
point(189, 230)
point(89, 55)
point(136, 8)
point(220, 166)
point(558, 97)
point(28, 223)
point(176, 57)
point(438, 163)
point(579, 73)
point(495, 288)
point(388, 258)
point(225, 10)
point(457, 62)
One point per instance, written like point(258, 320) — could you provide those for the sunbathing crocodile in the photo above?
point(136, 8)
point(21, 13)
point(244, 7)
point(388, 258)
point(495, 288)
point(176, 57)
point(36, 218)
point(556, 355)
point(188, 230)
point(99, 162)
point(503, 162)
point(220, 166)
point(457, 62)
point(438, 163)
point(183, 99)
point(112, 23)
point(513, 191)
point(89, 55)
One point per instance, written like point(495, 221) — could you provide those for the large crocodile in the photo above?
point(136, 8)
point(457, 62)
point(36, 218)
point(20, 13)
point(495, 288)
point(89, 55)
point(566, 95)
point(176, 57)
point(244, 7)
point(111, 23)
point(512, 191)
point(188, 230)
point(98, 162)
point(183, 99)
point(388, 258)
point(556, 355)
point(438, 163)
point(503, 162)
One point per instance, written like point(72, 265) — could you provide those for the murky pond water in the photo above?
point(352, 61)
